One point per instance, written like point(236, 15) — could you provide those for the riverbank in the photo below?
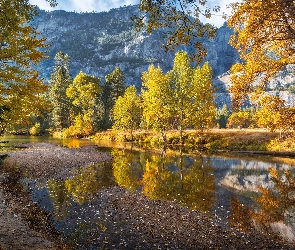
point(131, 221)
point(22, 224)
point(15, 232)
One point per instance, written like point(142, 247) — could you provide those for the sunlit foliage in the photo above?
point(203, 108)
point(180, 22)
point(84, 94)
point(274, 115)
point(264, 35)
point(241, 119)
point(192, 94)
point(20, 50)
point(156, 94)
point(127, 111)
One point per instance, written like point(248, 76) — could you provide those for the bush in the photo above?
point(35, 130)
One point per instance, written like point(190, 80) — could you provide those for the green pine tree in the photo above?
point(59, 81)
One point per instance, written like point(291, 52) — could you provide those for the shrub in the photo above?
point(35, 130)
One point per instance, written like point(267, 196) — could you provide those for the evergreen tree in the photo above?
point(60, 80)
point(113, 88)
point(222, 115)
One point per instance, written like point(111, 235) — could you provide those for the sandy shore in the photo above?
point(135, 221)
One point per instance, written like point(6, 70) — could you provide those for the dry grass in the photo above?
point(214, 139)
point(258, 135)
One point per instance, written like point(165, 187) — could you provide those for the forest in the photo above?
point(181, 99)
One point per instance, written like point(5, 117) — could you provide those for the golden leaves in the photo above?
point(264, 36)
point(20, 49)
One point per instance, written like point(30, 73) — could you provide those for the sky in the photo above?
point(103, 5)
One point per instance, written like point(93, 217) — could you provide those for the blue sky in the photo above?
point(103, 5)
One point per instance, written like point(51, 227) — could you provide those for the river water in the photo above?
point(234, 189)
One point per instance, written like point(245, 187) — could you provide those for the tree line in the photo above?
point(182, 98)
point(263, 35)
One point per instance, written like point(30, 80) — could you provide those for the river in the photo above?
point(233, 189)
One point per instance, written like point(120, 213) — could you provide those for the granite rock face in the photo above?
point(99, 42)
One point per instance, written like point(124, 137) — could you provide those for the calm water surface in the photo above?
point(228, 188)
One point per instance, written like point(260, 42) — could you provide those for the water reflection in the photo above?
point(84, 184)
point(245, 189)
point(175, 177)
point(275, 207)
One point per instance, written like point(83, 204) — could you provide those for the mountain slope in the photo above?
point(99, 42)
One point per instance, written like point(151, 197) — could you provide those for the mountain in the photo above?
point(99, 42)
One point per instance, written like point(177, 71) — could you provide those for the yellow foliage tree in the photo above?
point(156, 95)
point(272, 113)
point(84, 93)
point(264, 35)
point(127, 111)
point(192, 101)
point(203, 109)
point(240, 119)
point(20, 50)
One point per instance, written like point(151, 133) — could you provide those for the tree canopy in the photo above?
point(156, 95)
point(264, 35)
point(84, 93)
point(114, 87)
point(127, 111)
point(20, 49)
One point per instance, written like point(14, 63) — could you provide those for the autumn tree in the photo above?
point(84, 94)
point(192, 94)
point(203, 106)
point(181, 77)
point(113, 87)
point(21, 48)
point(270, 113)
point(241, 119)
point(179, 21)
point(59, 81)
point(156, 95)
point(127, 111)
point(264, 35)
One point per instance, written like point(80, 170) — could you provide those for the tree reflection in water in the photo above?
point(275, 204)
point(85, 183)
point(167, 176)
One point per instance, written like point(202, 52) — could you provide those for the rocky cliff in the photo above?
point(99, 42)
